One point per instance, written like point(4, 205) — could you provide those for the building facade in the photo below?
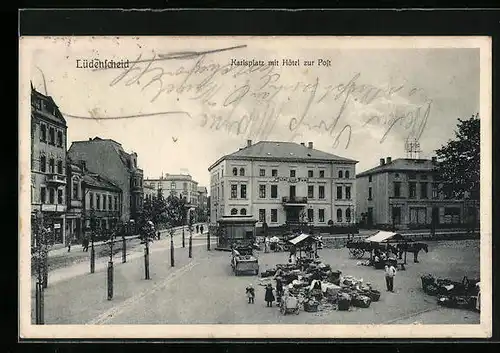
point(48, 163)
point(108, 159)
point(91, 195)
point(405, 193)
point(283, 183)
point(102, 199)
point(180, 185)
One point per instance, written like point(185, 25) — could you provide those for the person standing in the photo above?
point(250, 291)
point(279, 289)
point(390, 273)
point(85, 243)
point(293, 254)
point(197, 228)
point(269, 296)
point(266, 244)
point(201, 229)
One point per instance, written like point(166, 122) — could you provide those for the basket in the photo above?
point(374, 295)
point(361, 301)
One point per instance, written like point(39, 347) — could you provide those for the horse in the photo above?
point(414, 248)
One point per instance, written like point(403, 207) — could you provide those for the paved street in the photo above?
point(203, 290)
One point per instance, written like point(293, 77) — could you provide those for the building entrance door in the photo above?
point(292, 214)
point(369, 219)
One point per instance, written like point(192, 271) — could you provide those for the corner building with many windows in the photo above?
point(283, 184)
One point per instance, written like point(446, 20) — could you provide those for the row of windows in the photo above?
point(310, 215)
point(51, 197)
point(411, 176)
point(101, 204)
point(52, 165)
point(412, 190)
point(51, 140)
point(274, 173)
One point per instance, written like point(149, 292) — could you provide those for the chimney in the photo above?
point(303, 144)
point(389, 160)
point(310, 145)
point(382, 161)
point(90, 138)
point(249, 143)
point(434, 160)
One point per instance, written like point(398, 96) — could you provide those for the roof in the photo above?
point(116, 146)
point(237, 219)
point(401, 164)
point(97, 181)
point(383, 236)
point(279, 150)
point(57, 117)
point(301, 238)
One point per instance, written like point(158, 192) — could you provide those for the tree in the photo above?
point(175, 211)
point(459, 161)
point(154, 209)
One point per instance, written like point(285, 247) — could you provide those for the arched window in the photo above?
point(339, 215)
point(340, 174)
point(235, 171)
point(234, 211)
point(347, 174)
point(243, 211)
point(242, 171)
point(348, 215)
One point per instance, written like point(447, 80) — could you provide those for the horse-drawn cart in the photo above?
point(243, 260)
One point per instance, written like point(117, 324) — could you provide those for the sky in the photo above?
point(356, 99)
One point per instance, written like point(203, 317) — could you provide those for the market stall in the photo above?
point(305, 244)
point(317, 287)
point(382, 245)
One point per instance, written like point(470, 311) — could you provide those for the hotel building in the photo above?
point(283, 184)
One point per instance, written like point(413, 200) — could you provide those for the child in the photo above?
point(250, 291)
point(269, 297)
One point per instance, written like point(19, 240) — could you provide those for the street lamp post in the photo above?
point(39, 295)
point(190, 241)
point(172, 262)
point(110, 266)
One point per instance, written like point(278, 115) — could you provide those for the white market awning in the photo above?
point(300, 238)
point(383, 236)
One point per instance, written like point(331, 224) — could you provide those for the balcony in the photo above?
point(56, 179)
point(294, 200)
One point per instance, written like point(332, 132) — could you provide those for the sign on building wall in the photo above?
point(290, 180)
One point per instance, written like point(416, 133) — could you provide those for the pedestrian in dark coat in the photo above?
point(197, 228)
point(269, 297)
point(85, 243)
point(201, 229)
point(279, 289)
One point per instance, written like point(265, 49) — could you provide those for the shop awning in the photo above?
point(301, 238)
point(384, 236)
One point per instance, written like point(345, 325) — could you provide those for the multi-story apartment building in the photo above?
point(48, 163)
point(90, 194)
point(180, 185)
point(404, 193)
point(283, 183)
point(108, 159)
point(202, 197)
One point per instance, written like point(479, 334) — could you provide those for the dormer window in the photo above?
point(242, 171)
point(235, 171)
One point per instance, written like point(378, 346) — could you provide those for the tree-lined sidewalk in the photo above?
point(83, 299)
